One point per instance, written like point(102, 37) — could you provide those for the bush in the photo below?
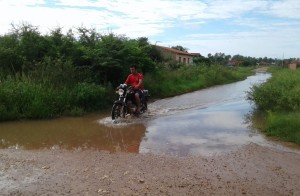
point(167, 82)
point(23, 98)
point(284, 125)
point(279, 97)
point(279, 93)
point(91, 96)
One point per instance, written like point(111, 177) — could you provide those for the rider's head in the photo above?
point(133, 69)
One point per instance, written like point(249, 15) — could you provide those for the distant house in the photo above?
point(294, 65)
point(170, 54)
point(196, 54)
point(233, 63)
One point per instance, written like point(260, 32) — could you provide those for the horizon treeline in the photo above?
point(63, 58)
point(87, 56)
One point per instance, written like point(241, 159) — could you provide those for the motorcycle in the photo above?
point(126, 104)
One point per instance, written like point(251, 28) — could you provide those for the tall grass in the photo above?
point(284, 125)
point(24, 98)
point(280, 93)
point(279, 98)
point(165, 82)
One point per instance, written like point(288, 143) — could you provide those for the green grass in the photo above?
point(279, 98)
point(168, 83)
point(285, 126)
point(23, 98)
point(280, 93)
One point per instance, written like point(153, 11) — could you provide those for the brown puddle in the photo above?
point(71, 133)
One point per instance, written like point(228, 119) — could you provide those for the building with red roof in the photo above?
point(171, 54)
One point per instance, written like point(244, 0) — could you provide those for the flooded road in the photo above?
point(208, 121)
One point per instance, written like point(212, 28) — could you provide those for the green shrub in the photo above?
point(168, 82)
point(91, 96)
point(23, 98)
point(285, 126)
point(279, 93)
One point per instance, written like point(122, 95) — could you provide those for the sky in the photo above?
point(255, 28)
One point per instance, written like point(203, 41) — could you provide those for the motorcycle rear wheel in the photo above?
point(117, 111)
point(144, 107)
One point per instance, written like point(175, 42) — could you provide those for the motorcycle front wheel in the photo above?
point(117, 111)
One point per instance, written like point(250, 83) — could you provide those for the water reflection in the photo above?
point(216, 122)
point(71, 133)
point(203, 131)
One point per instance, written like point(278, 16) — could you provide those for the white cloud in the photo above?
point(287, 8)
point(260, 44)
point(152, 19)
point(19, 3)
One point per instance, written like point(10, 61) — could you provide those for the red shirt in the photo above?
point(133, 80)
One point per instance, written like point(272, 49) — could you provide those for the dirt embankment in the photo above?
point(251, 170)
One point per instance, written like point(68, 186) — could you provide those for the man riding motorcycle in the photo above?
point(135, 79)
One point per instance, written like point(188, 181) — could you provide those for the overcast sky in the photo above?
point(256, 28)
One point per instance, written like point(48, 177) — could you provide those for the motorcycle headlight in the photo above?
point(121, 91)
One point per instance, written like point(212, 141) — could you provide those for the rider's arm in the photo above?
point(127, 80)
point(140, 81)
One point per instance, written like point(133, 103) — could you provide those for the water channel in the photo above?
point(208, 121)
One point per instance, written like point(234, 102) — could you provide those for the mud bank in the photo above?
point(251, 170)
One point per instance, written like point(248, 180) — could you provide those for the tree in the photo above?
point(201, 60)
point(181, 48)
point(10, 60)
point(22, 45)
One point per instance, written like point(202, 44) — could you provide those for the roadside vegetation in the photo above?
point(47, 76)
point(166, 82)
point(279, 99)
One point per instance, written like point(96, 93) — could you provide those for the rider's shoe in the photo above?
point(137, 113)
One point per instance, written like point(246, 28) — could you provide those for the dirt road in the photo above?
point(251, 170)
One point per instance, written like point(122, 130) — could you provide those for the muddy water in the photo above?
point(71, 133)
point(203, 122)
